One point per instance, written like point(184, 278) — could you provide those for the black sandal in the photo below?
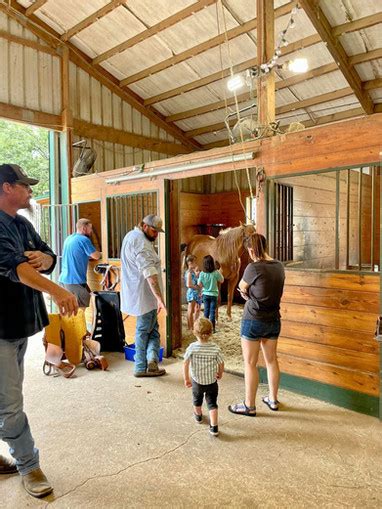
point(242, 409)
point(273, 405)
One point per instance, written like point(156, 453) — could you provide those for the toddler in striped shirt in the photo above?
point(207, 365)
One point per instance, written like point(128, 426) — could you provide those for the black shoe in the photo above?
point(7, 466)
point(214, 430)
point(198, 418)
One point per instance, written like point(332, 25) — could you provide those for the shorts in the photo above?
point(211, 392)
point(81, 291)
point(254, 330)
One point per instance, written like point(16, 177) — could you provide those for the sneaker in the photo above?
point(214, 430)
point(154, 370)
point(198, 418)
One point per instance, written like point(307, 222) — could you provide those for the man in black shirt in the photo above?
point(24, 257)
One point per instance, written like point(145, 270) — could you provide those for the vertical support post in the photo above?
point(347, 218)
point(360, 218)
point(373, 216)
point(337, 225)
point(379, 189)
point(265, 49)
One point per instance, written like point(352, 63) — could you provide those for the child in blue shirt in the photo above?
point(193, 291)
point(208, 280)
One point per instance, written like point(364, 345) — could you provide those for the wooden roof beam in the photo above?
point(34, 7)
point(279, 85)
point(321, 24)
point(202, 47)
point(155, 29)
point(358, 24)
point(291, 48)
point(297, 105)
point(28, 43)
point(46, 33)
point(325, 119)
point(85, 23)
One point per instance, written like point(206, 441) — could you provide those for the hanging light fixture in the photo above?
point(235, 82)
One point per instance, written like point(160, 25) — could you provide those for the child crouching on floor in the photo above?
point(207, 366)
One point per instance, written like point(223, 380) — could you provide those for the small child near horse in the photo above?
point(208, 280)
point(207, 366)
point(193, 295)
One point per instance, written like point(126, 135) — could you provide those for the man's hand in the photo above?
point(161, 305)
point(66, 301)
point(38, 260)
point(187, 383)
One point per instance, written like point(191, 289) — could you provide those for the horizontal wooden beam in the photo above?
point(45, 32)
point(291, 48)
point(324, 29)
point(155, 29)
point(202, 47)
point(372, 84)
point(297, 105)
point(27, 43)
point(358, 24)
point(279, 85)
point(35, 6)
point(360, 58)
point(103, 133)
point(85, 23)
point(324, 119)
point(29, 116)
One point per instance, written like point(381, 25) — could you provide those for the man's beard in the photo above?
point(151, 239)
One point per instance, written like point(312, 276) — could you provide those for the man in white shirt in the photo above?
point(141, 292)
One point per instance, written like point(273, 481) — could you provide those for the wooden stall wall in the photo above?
point(314, 219)
point(327, 335)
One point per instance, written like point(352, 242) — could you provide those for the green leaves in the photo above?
point(26, 146)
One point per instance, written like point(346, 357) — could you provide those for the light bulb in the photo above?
point(235, 82)
point(298, 65)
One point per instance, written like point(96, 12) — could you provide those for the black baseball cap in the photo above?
point(13, 174)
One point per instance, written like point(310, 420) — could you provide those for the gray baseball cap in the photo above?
point(154, 221)
point(14, 174)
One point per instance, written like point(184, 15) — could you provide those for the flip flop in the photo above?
point(273, 405)
point(242, 409)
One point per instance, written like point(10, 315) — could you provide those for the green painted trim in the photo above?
point(362, 403)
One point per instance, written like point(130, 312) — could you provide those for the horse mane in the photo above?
point(228, 244)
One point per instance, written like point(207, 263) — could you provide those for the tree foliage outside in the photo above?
point(28, 147)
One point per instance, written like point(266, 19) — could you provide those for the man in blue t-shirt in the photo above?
point(78, 248)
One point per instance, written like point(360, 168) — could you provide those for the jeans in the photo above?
point(147, 340)
point(14, 426)
point(210, 303)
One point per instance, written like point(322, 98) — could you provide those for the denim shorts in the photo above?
point(256, 329)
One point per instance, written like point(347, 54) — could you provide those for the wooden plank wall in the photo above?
point(314, 217)
point(328, 322)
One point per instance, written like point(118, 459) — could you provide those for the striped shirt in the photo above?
point(205, 358)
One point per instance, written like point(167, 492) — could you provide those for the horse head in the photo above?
point(248, 230)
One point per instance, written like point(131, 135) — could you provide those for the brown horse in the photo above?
point(225, 249)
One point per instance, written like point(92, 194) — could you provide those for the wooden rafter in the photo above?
point(321, 24)
point(45, 32)
point(154, 30)
point(366, 57)
point(85, 23)
point(27, 42)
point(297, 105)
point(325, 119)
point(358, 24)
point(295, 46)
point(289, 82)
point(202, 47)
point(34, 7)
point(266, 92)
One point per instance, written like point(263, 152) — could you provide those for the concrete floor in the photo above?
point(112, 440)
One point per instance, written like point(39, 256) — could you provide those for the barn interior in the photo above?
point(145, 115)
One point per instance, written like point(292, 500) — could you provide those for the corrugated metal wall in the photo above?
point(93, 102)
point(220, 182)
point(31, 78)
